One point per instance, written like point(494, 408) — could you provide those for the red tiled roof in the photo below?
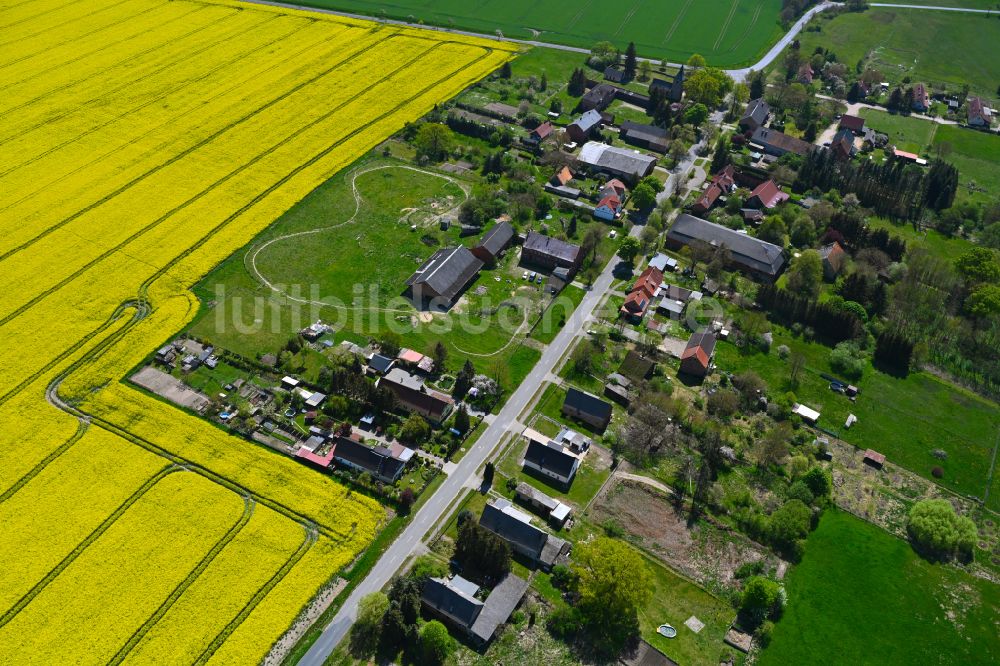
point(875, 456)
point(322, 461)
point(543, 130)
point(725, 178)
point(904, 154)
point(708, 199)
point(977, 110)
point(611, 201)
point(649, 281)
point(618, 186)
point(769, 194)
point(564, 175)
point(636, 302)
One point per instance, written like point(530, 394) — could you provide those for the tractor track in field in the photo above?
point(725, 26)
point(182, 587)
point(677, 21)
point(35, 17)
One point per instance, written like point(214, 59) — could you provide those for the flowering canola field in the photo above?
point(141, 142)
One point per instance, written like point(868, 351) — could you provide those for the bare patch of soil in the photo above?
point(707, 554)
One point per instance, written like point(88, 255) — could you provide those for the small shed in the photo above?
point(808, 415)
point(874, 458)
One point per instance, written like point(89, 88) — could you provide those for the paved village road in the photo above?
point(465, 472)
point(941, 9)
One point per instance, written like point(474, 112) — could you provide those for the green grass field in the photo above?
point(726, 32)
point(906, 133)
point(362, 265)
point(936, 47)
point(861, 596)
point(948, 248)
point(904, 418)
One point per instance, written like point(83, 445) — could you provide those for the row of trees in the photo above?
point(835, 324)
point(893, 189)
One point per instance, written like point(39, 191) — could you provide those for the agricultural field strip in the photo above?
point(31, 20)
point(19, 150)
point(64, 191)
point(49, 517)
point(31, 260)
point(272, 107)
point(230, 582)
point(129, 565)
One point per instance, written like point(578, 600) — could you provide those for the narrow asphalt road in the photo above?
point(941, 9)
point(465, 472)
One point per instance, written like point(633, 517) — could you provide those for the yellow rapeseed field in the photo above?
point(142, 142)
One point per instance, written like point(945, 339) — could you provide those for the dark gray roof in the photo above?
point(705, 340)
point(552, 458)
point(552, 246)
point(599, 96)
point(616, 160)
point(378, 461)
point(757, 110)
point(379, 363)
point(644, 131)
point(447, 271)
point(781, 141)
point(442, 596)
point(497, 238)
point(499, 605)
point(510, 527)
point(753, 253)
point(587, 403)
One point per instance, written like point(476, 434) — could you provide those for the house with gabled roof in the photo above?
point(588, 408)
point(455, 601)
point(855, 124)
point(540, 134)
point(548, 252)
point(444, 275)
point(921, 100)
point(415, 397)
point(583, 127)
point(778, 143)
point(493, 243)
point(766, 195)
point(552, 461)
point(979, 113)
point(696, 359)
point(645, 136)
point(833, 256)
point(619, 162)
point(753, 256)
point(514, 526)
point(755, 115)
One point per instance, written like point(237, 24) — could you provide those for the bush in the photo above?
point(763, 633)
point(760, 601)
point(565, 622)
point(937, 531)
point(819, 482)
point(846, 359)
point(563, 578)
point(436, 644)
point(800, 491)
point(723, 403)
point(748, 569)
point(937, 472)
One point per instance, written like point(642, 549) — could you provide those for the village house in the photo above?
point(921, 100)
point(377, 461)
point(642, 293)
point(755, 116)
point(587, 408)
point(415, 359)
point(767, 195)
point(979, 113)
point(855, 124)
point(617, 388)
point(755, 257)
point(806, 74)
point(773, 142)
point(842, 145)
point(543, 549)
point(608, 208)
point(644, 136)
point(663, 263)
point(444, 276)
point(454, 601)
point(549, 508)
point(618, 162)
point(598, 98)
point(583, 128)
point(614, 74)
point(414, 396)
point(551, 460)
point(379, 364)
point(675, 299)
point(723, 182)
point(549, 253)
point(558, 184)
point(833, 257)
point(493, 243)
point(539, 134)
point(696, 359)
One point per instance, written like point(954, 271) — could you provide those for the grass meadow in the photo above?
point(864, 596)
point(936, 47)
point(726, 32)
point(366, 260)
point(904, 418)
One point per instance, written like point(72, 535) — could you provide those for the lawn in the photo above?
point(351, 270)
point(555, 316)
point(550, 405)
point(904, 418)
point(674, 600)
point(864, 596)
point(935, 47)
point(913, 135)
point(977, 156)
point(726, 32)
point(588, 480)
